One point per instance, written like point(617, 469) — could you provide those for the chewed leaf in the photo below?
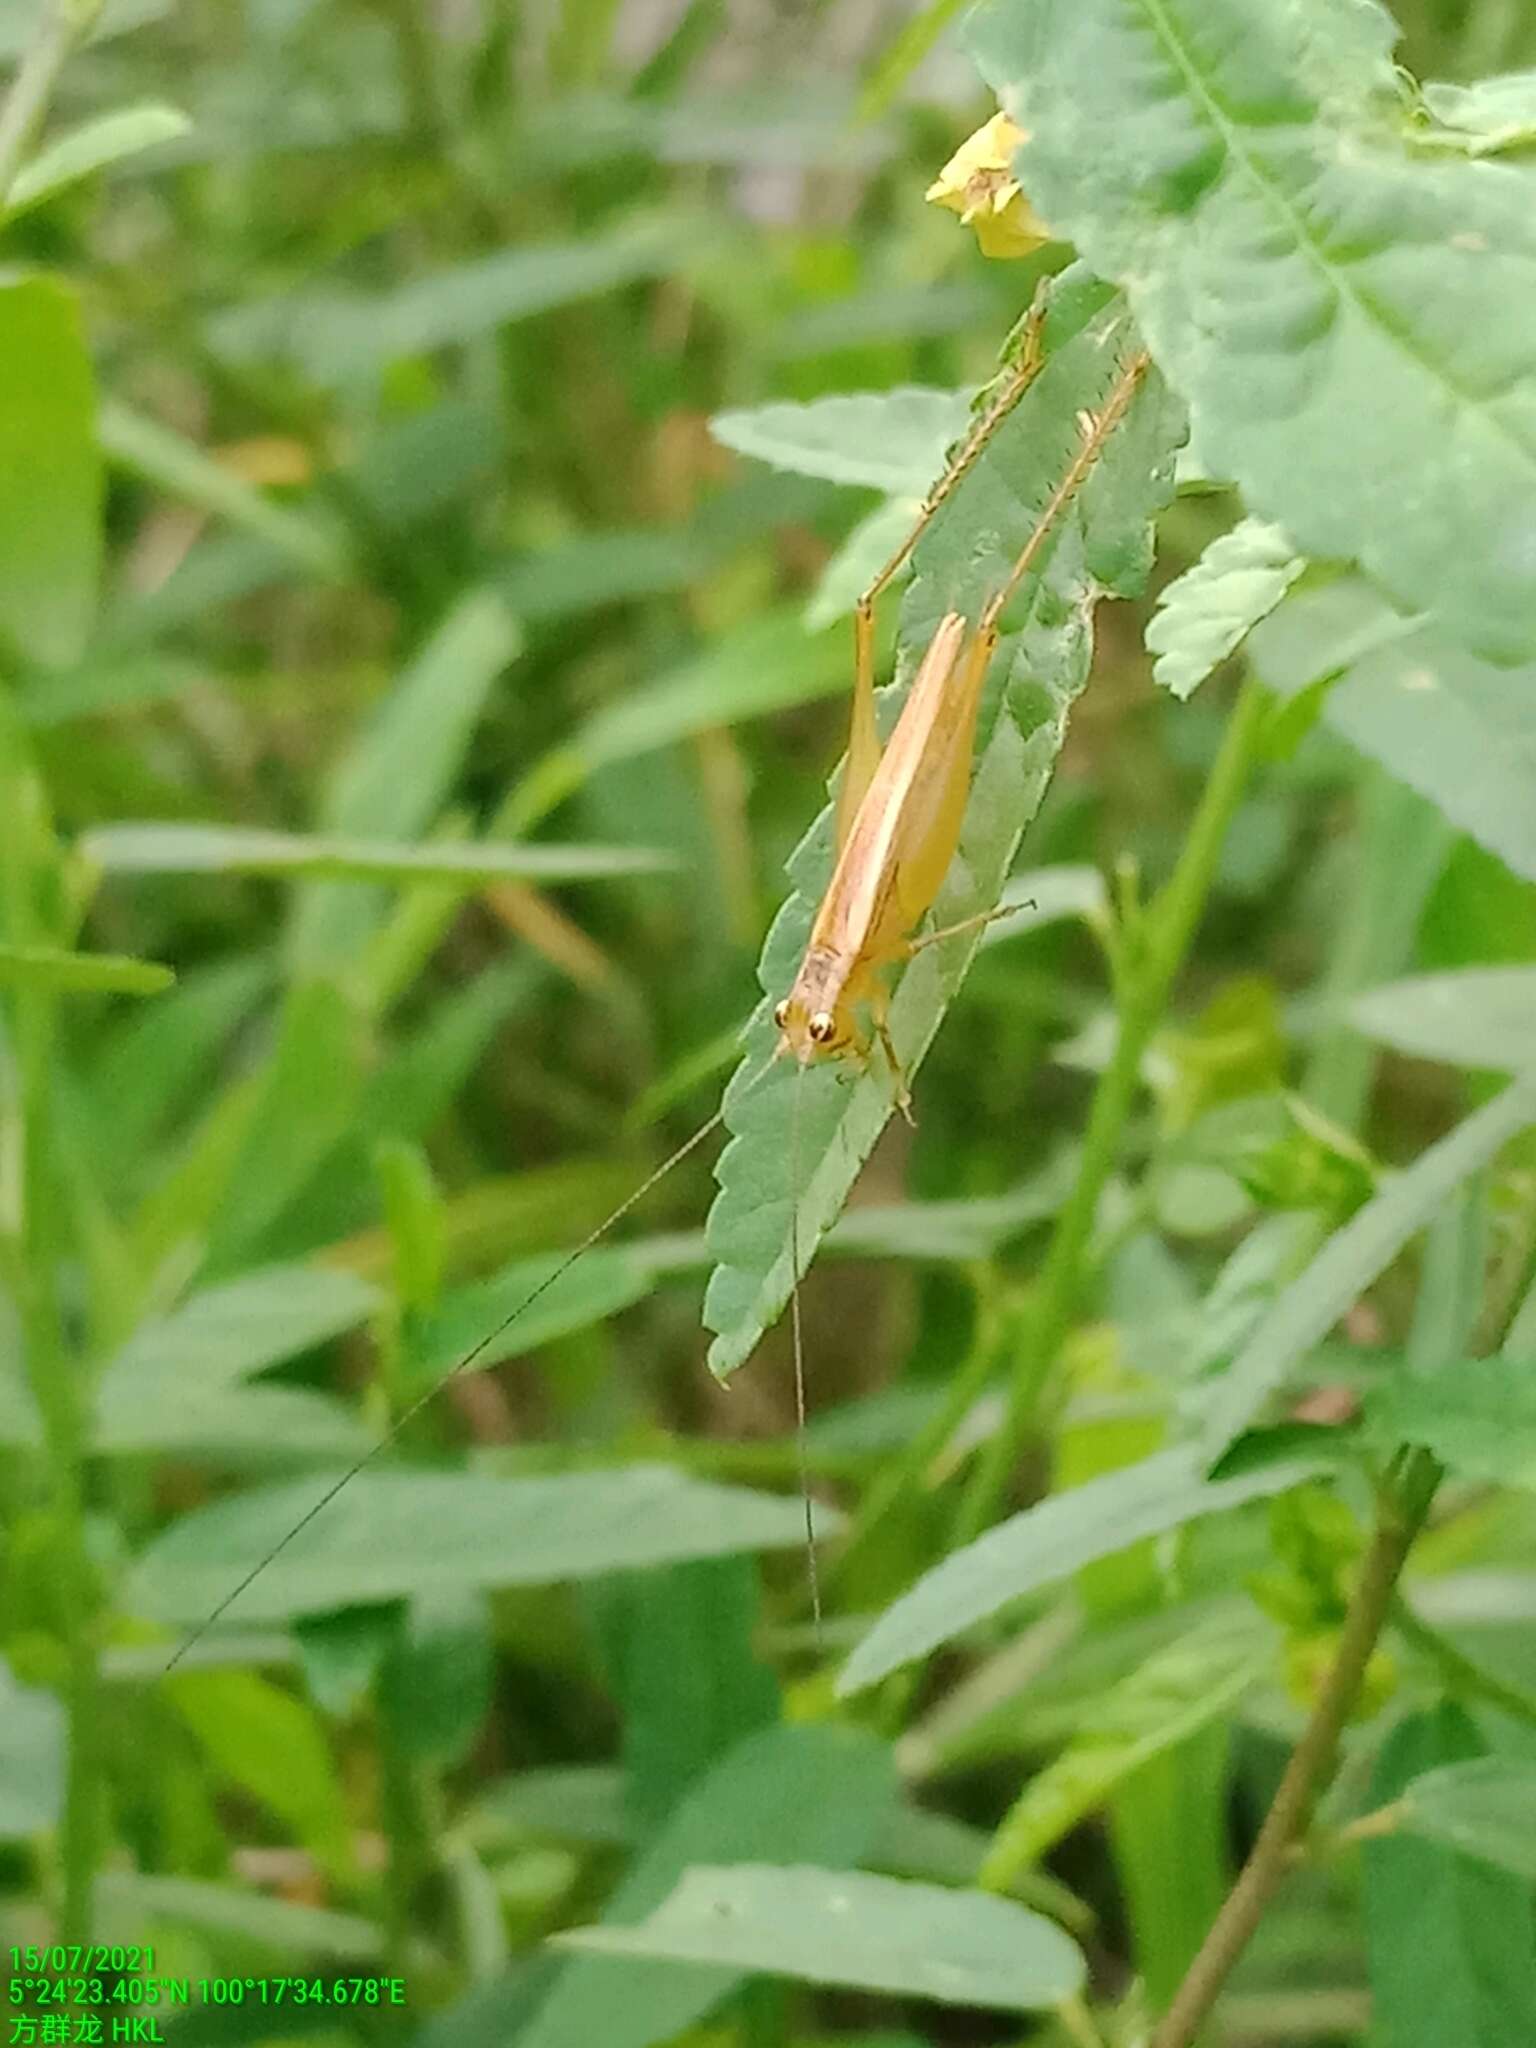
point(812, 1134)
point(1211, 609)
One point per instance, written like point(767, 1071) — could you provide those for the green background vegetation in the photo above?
point(408, 706)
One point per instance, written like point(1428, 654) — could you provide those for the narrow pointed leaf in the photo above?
point(391, 1535)
point(1355, 1256)
point(177, 849)
point(1048, 1542)
point(397, 776)
point(92, 147)
point(63, 973)
point(1179, 1690)
point(1471, 1016)
point(863, 1933)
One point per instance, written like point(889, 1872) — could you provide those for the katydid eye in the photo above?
point(821, 1027)
point(781, 1013)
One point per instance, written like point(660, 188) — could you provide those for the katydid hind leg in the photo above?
point(863, 736)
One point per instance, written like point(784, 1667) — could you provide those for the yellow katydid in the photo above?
point(900, 812)
point(899, 817)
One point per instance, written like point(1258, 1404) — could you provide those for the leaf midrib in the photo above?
point(1231, 130)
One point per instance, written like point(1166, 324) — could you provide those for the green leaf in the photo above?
point(435, 1686)
point(415, 1217)
point(859, 561)
point(154, 849)
point(336, 337)
point(20, 1422)
point(577, 575)
point(568, 1802)
point(1484, 117)
point(108, 679)
point(50, 509)
point(92, 146)
point(1477, 1415)
point(1448, 1937)
point(1458, 730)
point(399, 1534)
point(224, 1334)
point(32, 1759)
point(677, 1648)
point(270, 1745)
point(1049, 1542)
point(815, 1792)
point(160, 456)
point(397, 775)
point(1318, 1443)
point(156, 1064)
point(52, 969)
point(903, 52)
point(417, 1082)
point(177, 1383)
point(303, 1100)
point(1352, 321)
point(1211, 609)
point(768, 664)
point(243, 1426)
point(863, 1933)
point(1101, 542)
point(278, 1926)
point(1471, 1017)
point(1178, 1691)
point(892, 441)
point(599, 1284)
point(964, 1229)
point(1354, 1257)
point(1485, 1807)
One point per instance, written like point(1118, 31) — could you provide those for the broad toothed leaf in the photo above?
point(1099, 542)
point(1351, 317)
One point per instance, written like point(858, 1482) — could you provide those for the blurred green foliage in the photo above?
point(390, 652)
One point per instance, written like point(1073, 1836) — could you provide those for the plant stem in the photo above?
point(31, 89)
point(1400, 1516)
point(1148, 966)
point(405, 1829)
point(28, 857)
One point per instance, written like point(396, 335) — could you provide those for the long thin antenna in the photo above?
point(475, 1351)
point(797, 1345)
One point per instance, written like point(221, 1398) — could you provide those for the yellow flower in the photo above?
point(978, 184)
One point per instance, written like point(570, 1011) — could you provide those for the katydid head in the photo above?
point(813, 1018)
